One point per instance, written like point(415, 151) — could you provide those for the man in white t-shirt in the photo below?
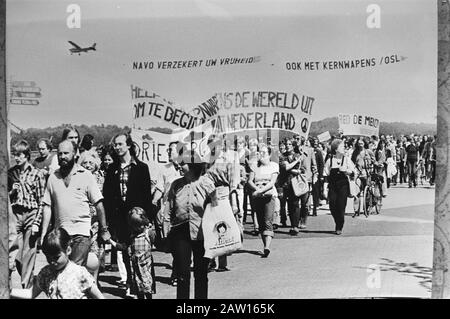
point(69, 192)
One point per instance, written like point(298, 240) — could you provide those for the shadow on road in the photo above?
point(111, 280)
point(114, 291)
point(409, 269)
point(112, 288)
point(413, 269)
point(251, 252)
point(317, 231)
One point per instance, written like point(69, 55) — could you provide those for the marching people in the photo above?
point(70, 191)
point(318, 182)
point(391, 170)
point(251, 162)
point(291, 165)
point(309, 167)
point(26, 185)
point(71, 133)
point(363, 159)
point(262, 180)
point(432, 160)
point(114, 256)
point(168, 173)
point(429, 156)
point(127, 185)
point(379, 165)
point(412, 157)
point(337, 169)
point(107, 156)
point(184, 188)
point(46, 161)
point(280, 189)
point(223, 155)
point(187, 198)
point(96, 258)
point(401, 162)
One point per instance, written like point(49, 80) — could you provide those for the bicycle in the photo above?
point(372, 198)
point(357, 199)
point(421, 172)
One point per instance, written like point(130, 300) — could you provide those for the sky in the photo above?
point(94, 87)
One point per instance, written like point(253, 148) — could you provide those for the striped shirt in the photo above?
point(26, 188)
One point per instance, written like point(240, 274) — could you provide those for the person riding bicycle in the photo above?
point(363, 158)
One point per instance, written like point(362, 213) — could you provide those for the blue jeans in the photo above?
point(80, 249)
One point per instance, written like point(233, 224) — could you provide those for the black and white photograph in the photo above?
point(221, 149)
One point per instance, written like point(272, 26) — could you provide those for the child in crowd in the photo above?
point(62, 278)
point(140, 251)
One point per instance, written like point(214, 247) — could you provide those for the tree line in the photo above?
point(103, 133)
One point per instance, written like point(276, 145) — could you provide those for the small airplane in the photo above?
point(77, 49)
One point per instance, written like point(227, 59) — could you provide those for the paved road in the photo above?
point(386, 255)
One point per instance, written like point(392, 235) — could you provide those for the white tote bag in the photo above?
point(221, 232)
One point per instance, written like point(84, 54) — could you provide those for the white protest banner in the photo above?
point(358, 124)
point(206, 110)
point(323, 137)
point(251, 110)
point(150, 109)
point(151, 147)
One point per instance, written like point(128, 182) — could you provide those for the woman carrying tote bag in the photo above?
point(291, 165)
point(262, 180)
point(338, 167)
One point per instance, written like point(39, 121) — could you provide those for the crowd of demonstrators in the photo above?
point(85, 197)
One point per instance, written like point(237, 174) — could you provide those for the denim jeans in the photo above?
point(182, 249)
point(412, 171)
